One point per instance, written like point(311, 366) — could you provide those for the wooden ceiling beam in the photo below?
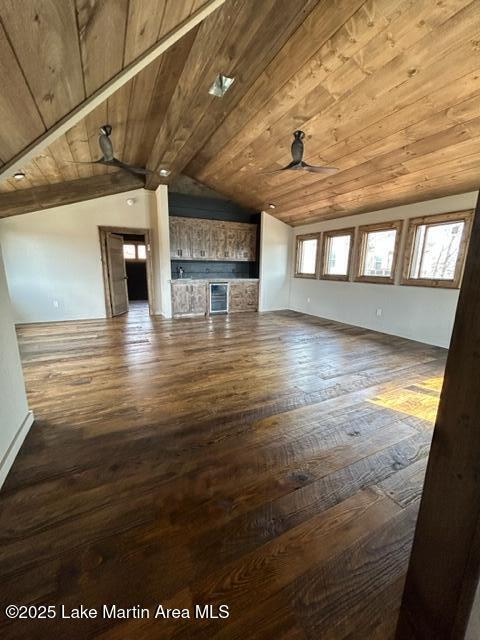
point(107, 89)
point(13, 203)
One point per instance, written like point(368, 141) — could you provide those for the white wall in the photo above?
point(419, 313)
point(53, 256)
point(15, 418)
point(275, 247)
point(161, 242)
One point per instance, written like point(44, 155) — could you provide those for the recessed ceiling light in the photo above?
point(221, 85)
point(164, 172)
point(131, 202)
point(19, 175)
point(271, 206)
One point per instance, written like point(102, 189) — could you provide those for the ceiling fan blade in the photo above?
point(294, 165)
point(129, 167)
point(101, 161)
point(313, 169)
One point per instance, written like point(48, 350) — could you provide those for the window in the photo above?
point(377, 252)
point(435, 250)
point(337, 250)
point(129, 252)
point(306, 256)
point(134, 251)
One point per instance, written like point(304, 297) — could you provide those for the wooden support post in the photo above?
point(444, 565)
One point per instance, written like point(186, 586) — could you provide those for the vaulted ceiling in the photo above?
point(388, 91)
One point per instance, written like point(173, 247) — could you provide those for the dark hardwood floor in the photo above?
point(270, 462)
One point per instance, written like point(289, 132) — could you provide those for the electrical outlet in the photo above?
point(308, 300)
point(56, 304)
point(379, 312)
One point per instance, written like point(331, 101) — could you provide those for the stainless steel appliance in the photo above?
point(219, 297)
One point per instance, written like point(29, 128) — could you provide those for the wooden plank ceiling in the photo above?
point(386, 90)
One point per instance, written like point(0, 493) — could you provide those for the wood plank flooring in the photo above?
point(269, 462)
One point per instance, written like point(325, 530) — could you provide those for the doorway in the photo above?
point(127, 269)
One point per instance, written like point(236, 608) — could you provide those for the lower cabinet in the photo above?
point(243, 296)
point(189, 299)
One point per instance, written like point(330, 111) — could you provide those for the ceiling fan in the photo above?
point(297, 162)
point(108, 157)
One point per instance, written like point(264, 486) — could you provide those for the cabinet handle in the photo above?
point(226, 254)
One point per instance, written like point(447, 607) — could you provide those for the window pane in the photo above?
point(379, 250)
point(129, 251)
point(308, 256)
point(338, 248)
point(141, 252)
point(436, 250)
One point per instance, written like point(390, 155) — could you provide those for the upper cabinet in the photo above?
point(181, 238)
point(197, 239)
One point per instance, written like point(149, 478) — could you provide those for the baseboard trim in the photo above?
point(12, 451)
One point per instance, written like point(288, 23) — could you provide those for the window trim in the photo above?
point(350, 231)
point(465, 216)
point(363, 232)
point(298, 240)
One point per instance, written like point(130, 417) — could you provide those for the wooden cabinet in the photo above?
point(181, 238)
point(196, 239)
point(189, 298)
point(218, 246)
point(243, 296)
point(198, 298)
point(200, 233)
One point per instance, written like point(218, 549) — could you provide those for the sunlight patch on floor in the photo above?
point(413, 401)
point(435, 384)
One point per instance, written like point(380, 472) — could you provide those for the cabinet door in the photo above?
point(180, 238)
point(232, 243)
point(243, 296)
point(180, 299)
point(175, 244)
point(243, 244)
point(186, 227)
point(201, 239)
point(197, 240)
point(198, 298)
point(218, 241)
point(251, 250)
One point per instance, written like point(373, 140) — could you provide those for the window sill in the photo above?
point(375, 279)
point(307, 276)
point(334, 278)
point(431, 284)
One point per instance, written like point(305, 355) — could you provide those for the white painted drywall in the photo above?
point(275, 248)
point(52, 257)
point(419, 313)
point(15, 418)
point(159, 223)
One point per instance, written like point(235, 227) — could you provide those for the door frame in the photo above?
point(103, 231)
